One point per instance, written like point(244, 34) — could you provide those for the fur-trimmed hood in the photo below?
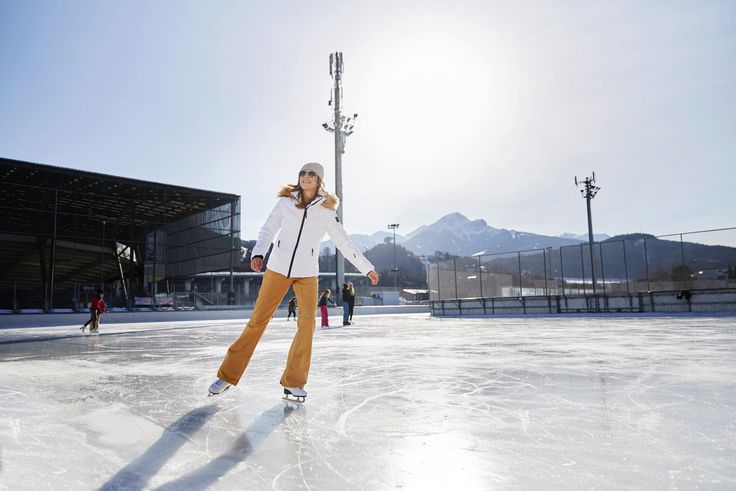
point(293, 235)
point(331, 202)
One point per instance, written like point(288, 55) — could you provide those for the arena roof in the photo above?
point(28, 196)
point(63, 227)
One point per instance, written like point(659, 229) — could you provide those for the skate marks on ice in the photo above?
point(523, 402)
point(342, 420)
point(398, 402)
point(20, 335)
point(138, 473)
point(244, 445)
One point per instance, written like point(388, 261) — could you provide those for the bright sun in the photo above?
point(444, 86)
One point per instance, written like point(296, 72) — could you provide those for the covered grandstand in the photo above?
point(65, 232)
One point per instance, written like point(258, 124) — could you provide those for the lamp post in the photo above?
point(395, 270)
point(588, 192)
point(342, 127)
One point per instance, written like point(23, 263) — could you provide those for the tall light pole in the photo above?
point(395, 270)
point(342, 127)
point(588, 192)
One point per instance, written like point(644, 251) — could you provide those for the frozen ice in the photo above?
point(395, 402)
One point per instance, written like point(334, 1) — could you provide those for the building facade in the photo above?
point(64, 233)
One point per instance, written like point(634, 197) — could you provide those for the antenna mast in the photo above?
point(342, 127)
point(588, 192)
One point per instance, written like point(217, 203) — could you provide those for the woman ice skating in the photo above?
point(302, 215)
point(96, 308)
point(345, 304)
point(322, 304)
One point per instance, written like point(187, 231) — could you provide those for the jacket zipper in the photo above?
point(298, 237)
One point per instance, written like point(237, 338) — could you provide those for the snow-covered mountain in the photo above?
point(456, 234)
point(584, 237)
point(365, 242)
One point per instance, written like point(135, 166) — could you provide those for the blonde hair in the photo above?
point(301, 200)
point(331, 201)
point(351, 288)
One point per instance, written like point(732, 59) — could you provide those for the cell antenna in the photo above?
point(342, 127)
point(588, 192)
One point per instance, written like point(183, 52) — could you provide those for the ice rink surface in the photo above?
point(395, 402)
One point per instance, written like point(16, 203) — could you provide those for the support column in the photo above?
point(231, 292)
point(53, 251)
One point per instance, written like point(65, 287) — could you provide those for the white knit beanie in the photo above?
point(316, 168)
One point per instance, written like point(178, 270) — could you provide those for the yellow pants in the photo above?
point(273, 290)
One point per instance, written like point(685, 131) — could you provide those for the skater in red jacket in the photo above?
point(295, 227)
point(96, 308)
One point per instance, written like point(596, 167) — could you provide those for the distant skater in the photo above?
point(96, 308)
point(323, 299)
point(345, 304)
point(351, 303)
point(302, 215)
point(292, 308)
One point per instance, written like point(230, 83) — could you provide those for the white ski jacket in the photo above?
point(296, 250)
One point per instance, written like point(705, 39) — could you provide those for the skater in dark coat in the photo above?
point(292, 308)
point(295, 228)
point(351, 288)
point(345, 304)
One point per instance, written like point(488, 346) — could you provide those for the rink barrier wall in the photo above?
point(77, 319)
point(681, 301)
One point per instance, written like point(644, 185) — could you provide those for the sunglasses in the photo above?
point(311, 173)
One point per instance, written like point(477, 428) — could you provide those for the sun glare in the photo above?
point(443, 88)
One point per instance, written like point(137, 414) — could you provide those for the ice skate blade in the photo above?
point(293, 398)
point(210, 394)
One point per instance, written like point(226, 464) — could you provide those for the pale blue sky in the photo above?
point(486, 108)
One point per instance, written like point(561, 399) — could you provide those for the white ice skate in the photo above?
point(218, 387)
point(295, 394)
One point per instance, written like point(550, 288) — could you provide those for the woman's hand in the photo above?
point(373, 276)
point(256, 263)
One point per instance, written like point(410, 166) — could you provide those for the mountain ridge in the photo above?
point(458, 235)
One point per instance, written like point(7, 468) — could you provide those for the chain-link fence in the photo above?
point(702, 260)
